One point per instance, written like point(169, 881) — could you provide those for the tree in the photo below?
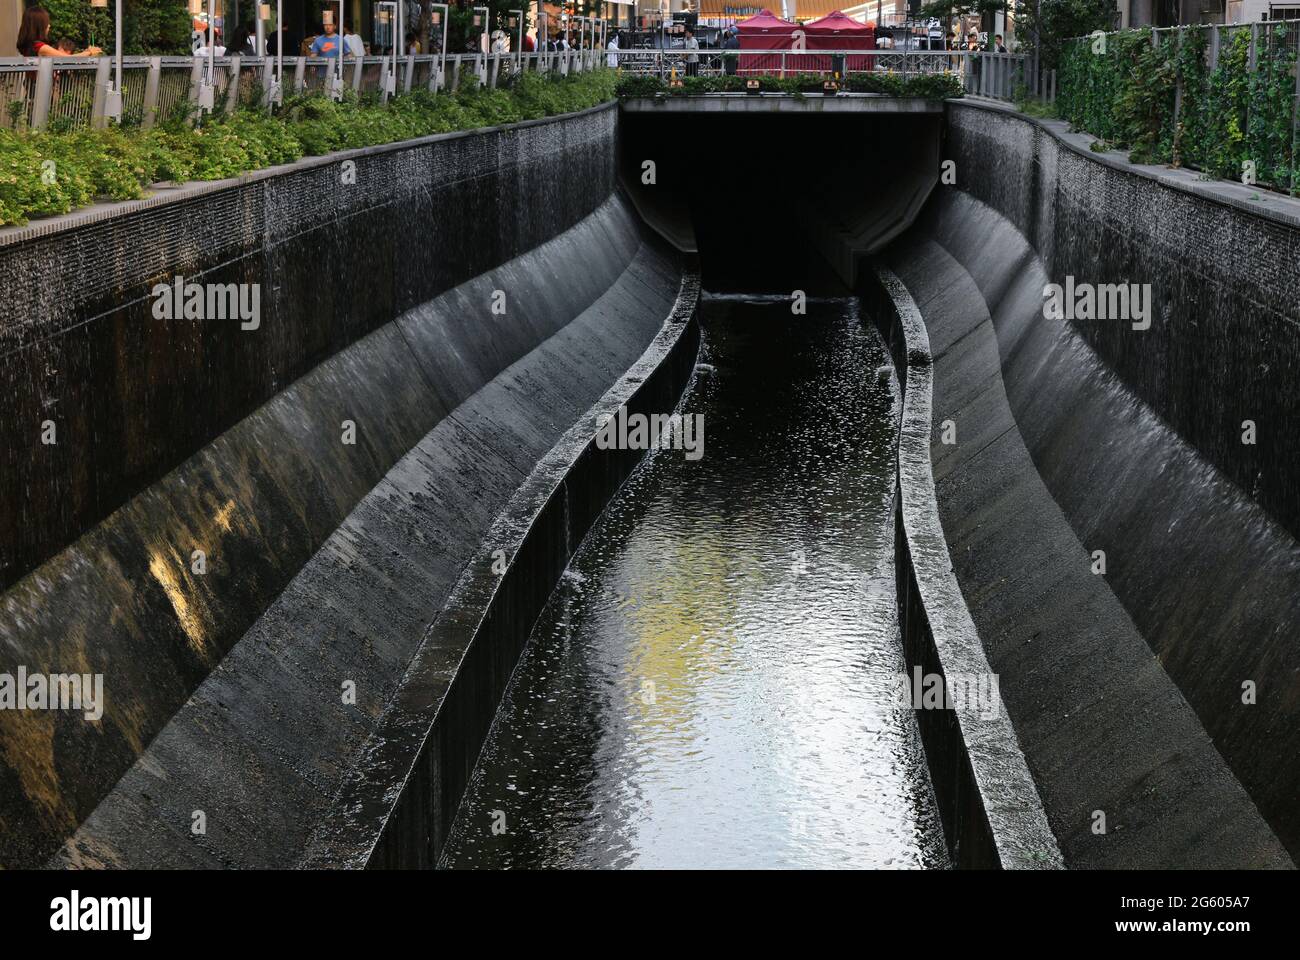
point(1047, 24)
point(949, 10)
point(149, 27)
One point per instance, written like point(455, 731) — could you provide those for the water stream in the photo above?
point(714, 682)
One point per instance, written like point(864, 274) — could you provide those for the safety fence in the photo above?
point(1000, 76)
point(69, 93)
point(1220, 98)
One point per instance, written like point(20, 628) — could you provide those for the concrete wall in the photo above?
point(133, 396)
point(993, 817)
point(175, 436)
point(1075, 437)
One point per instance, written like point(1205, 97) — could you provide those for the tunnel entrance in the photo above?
point(771, 200)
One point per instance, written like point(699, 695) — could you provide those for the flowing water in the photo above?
point(714, 682)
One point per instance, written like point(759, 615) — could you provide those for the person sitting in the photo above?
point(34, 37)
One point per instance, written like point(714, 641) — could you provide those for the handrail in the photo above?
point(63, 89)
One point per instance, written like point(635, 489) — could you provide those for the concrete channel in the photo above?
point(388, 478)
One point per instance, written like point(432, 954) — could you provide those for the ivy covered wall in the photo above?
point(1164, 99)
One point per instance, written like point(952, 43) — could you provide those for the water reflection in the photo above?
point(711, 684)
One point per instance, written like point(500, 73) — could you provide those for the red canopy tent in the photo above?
point(835, 31)
point(763, 31)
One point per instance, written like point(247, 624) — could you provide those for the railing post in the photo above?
point(1214, 47)
point(196, 80)
point(232, 86)
point(268, 77)
point(410, 73)
point(103, 68)
point(152, 82)
point(1295, 128)
point(44, 90)
point(358, 70)
point(1179, 37)
point(299, 74)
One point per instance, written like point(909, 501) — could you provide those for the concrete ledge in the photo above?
point(266, 740)
point(1258, 201)
point(992, 814)
point(782, 103)
point(1136, 436)
point(397, 806)
point(162, 194)
point(1102, 725)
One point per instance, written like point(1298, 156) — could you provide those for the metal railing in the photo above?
point(58, 93)
point(1001, 76)
point(1259, 61)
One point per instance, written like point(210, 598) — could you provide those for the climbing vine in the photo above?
point(1161, 99)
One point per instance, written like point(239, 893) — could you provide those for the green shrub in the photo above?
point(929, 86)
point(1224, 117)
point(120, 163)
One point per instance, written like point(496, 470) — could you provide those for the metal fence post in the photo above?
point(232, 85)
point(196, 78)
point(152, 81)
point(358, 68)
point(1295, 122)
point(1214, 47)
point(102, 72)
point(410, 73)
point(1180, 36)
point(44, 89)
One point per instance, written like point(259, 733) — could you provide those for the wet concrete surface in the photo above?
point(714, 683)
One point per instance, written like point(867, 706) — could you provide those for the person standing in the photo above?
point(328, 44)
point(692, 58)
point(34, 37)
point(353, 46)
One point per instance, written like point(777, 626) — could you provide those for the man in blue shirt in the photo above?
point(328, 44)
